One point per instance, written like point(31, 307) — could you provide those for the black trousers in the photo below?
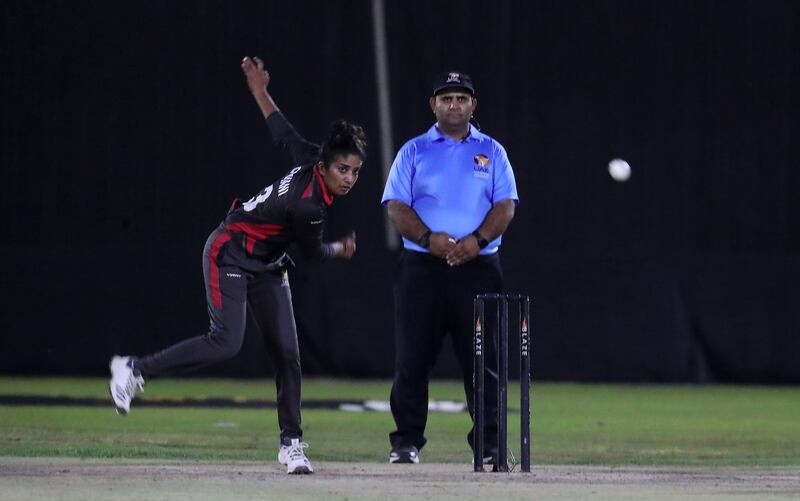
point(230, 291)
point(432, 300)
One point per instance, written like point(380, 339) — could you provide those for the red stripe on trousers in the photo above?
point(216, 296)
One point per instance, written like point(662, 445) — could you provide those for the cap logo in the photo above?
point(453, 77)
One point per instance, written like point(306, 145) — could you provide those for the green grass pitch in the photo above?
point(572, 423)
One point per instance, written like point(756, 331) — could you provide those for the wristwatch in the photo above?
point(482, 242)
point(425, 240)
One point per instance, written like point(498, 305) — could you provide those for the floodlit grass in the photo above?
point(572, 423)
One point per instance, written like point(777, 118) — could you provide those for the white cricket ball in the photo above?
point(619, 170)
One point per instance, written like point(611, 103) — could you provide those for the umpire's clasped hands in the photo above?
point(456, 252)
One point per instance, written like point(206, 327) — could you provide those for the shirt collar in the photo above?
point(326, 195)
point(435, 134)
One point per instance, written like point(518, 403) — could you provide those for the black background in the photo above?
point(127, 129)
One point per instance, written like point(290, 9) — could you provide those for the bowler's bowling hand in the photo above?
point(464, 251)
point(348, 245)
point(440, 244)
point(257, 76)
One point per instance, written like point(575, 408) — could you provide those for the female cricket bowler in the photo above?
point(245, 266)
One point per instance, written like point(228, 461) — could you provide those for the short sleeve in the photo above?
point(398, 184)
point(504, 184)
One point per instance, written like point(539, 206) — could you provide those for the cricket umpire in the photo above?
point(451, 194)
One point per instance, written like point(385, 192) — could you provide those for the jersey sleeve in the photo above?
point(308, 220)
point(504, 184)
point(401, 175)
point(288, 139)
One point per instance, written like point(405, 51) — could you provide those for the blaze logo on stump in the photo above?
point(524, 339)
point(478, 336)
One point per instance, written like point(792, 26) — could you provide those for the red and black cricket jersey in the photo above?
point(292, 209)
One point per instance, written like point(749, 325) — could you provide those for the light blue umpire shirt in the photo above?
point(451, 184)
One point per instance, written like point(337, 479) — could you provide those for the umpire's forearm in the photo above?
point(497, 219)
point(406, 220)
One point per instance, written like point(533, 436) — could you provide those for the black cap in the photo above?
point(453, 79)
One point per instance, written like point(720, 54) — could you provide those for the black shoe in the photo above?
point(488, 456)
point(407, 454)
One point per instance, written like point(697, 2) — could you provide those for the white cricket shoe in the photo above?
point(124, 383)
point(294, 458)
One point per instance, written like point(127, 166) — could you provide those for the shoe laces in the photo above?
point(296, 450)
point(133, 383)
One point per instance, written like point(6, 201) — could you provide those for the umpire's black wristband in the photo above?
point(482, 242)
point(425, 240)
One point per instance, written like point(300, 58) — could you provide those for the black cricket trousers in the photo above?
point(230, 291)
point(433, 299)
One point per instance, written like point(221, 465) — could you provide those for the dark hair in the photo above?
point(344, 139)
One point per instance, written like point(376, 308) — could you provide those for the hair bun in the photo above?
point(344, 138)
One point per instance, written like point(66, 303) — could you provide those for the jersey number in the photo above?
point(253, 202)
